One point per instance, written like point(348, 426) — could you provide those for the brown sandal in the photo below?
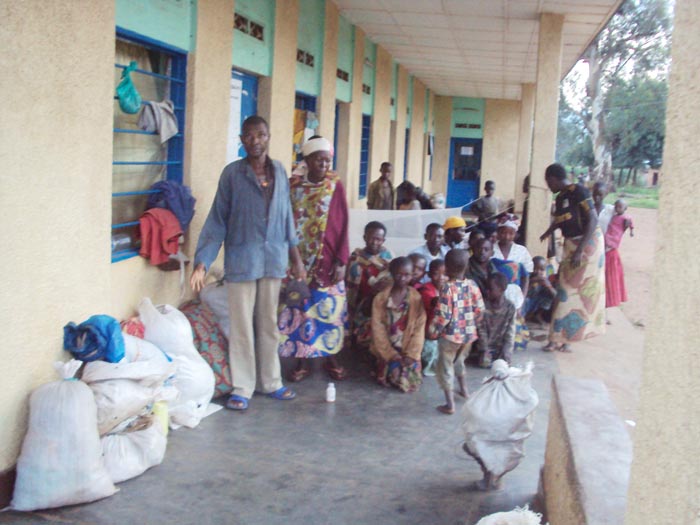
point(336, 373)
point(299, 374)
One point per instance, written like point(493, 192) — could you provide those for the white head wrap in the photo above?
point(314, 145)
point(509, 224)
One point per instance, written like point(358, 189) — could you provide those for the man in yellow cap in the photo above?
point(456, 232)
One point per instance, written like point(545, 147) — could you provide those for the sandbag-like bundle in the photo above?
point(130, 453)
point(61, 459)
point(143, 362)
point(169, 330)
point(499, 416)
point(120, 399)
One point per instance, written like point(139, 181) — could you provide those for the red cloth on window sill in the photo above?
point(160, 231)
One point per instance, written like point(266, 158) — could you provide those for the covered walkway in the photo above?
point(376, 457)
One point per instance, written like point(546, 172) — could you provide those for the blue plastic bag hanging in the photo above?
point(129, 98)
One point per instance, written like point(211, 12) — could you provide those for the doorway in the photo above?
point(244, 104)
point(465, 171)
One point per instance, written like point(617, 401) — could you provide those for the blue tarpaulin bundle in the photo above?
point(100, 337)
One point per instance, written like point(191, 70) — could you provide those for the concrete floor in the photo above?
point(376, 456)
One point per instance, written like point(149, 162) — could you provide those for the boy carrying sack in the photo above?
point(497, 419)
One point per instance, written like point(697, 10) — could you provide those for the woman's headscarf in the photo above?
point(314, 145)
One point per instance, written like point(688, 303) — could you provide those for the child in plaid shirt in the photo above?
point(458, 311)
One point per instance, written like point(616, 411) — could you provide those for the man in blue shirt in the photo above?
point(252, 216)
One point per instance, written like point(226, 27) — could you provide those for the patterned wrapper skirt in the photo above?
point(406, 378)
point(316, 329)
point(615, 291)
point(579, 311)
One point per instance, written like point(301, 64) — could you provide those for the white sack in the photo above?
point(168, 328)
point(61, 459)
point(120, 399)
point(517, 516)
point(195, 381)
point(130, 454)
point(497, 418)
point(215, 297)
point(144, 363)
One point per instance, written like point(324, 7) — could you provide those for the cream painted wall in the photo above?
point(416, 145)
point(441, 159)
point(55, 188)
point(326, 101)
point(208, 97)
point(665, 475)
point(399, 129)
point(500, 147)
point(381, 116)
point(276, 93)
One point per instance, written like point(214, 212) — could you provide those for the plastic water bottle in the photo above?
point(330, 393)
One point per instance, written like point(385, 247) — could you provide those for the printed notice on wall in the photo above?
point(466, 151)
point(233, 145)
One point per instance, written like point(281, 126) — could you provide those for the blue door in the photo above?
point(465, 171)
point(244, 104)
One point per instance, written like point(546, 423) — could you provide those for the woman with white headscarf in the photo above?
point(312, 324)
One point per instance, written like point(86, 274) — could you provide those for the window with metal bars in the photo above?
point(364, 154)
point(139, 159)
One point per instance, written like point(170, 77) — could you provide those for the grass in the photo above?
point(636, 196)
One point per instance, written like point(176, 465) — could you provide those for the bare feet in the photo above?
point(462, 393)
point(446, 409)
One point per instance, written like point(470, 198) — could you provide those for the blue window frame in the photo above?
point(139, 159)
point(304, 102)
point(364, 154)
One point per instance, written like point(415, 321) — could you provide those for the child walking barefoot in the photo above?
point(456, 316)
point(398, 330)
point(615, 291)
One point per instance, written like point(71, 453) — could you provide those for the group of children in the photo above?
point(421, 315)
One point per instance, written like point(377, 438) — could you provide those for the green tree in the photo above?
point(635, 113)
point(634, 43)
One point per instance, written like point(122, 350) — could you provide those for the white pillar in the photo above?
point(665, 477)
point(527, 111)
point(544, 138)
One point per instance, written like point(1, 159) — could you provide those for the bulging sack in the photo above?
point(143, 362)
point(131, 453)
point(168, 328)
point(61, 459)
point(499, 416)
point(120, 399)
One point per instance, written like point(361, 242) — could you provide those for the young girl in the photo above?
point(366, 275)
point(615, 292)
point(398, 330)
point(540, 294)
point(419, 266)
point(430, 293)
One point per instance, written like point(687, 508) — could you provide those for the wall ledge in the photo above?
point(588, 455)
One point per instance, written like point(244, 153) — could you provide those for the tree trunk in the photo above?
point(602, 167)
point(634, 178)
